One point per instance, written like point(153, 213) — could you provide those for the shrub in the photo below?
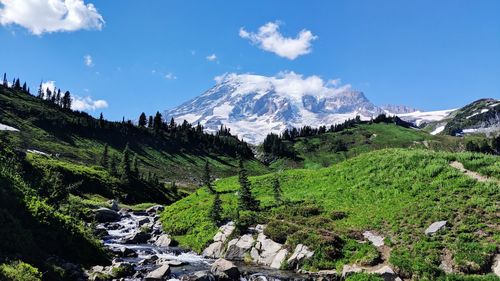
point(19, 271)
point(364, 277)
point(279, 231)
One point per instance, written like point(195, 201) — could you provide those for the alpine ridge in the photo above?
point(252, 106)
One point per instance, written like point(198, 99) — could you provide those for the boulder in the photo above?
point(143, 221)
point(267, 249)
point(496, 265)
point(386, 273)
point(155, 209)
point(114, 205)
point(435, 227)
point(128, 253)
point(279, 258)
point(225, 270)
point(199, 276)
point(300, 253)
point(347, 270)
point(106, 215)
point(163, 240)
point(237, 248)
point(158, 274)
point(138, 238)
point(214, 250)
point(224, 232)
point(174, 263)
point(376, 240)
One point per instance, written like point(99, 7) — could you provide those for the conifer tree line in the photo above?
point(54, 96)
point(275, 144)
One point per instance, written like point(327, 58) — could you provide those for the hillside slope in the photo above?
point(395, 192)
point(174, 154)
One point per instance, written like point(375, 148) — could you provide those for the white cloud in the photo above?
point(170, 76)
point(78, 103)
point(87, 103)
point(270, 39)
point(47, 16)
point(289, 84)
point(51, 85)
point(212, 57)
point(87, 59)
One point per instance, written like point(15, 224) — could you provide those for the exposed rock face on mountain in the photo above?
point(481, 116)
point(253, 106)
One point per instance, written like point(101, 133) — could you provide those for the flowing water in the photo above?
point(149, 256)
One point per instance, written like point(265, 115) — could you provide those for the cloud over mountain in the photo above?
point(269, 38)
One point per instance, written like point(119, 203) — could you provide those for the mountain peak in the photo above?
point(253, 105)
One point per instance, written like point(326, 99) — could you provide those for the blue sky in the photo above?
point(153, 55)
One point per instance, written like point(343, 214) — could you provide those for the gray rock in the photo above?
point(106, 215)
point(300, 253)
point(114, 205)
point(143, 221)
point(138, 238)
point(224, 232)
point(128, 253)
point(279, 258)
point(347, 270)
point(158, 274)
point(496, 265)
point(155, 209)
point(386, 273)
point(376, 240)
point(214, 250)
point(435, 227)
point(199, 276)
point(237, 248)
point(225, 270)
point(163, 240)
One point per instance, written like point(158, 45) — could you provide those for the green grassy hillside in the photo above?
point(326, 149)
point(397, 192)
point(175, 154)
point(36, 232)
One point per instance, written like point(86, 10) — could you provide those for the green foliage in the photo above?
point(277, 191)
point(398, 192)
point(126, 171)
point(247, 202)
point(216, 210)
point(19, 271)
point(207, 180)
point(364, 277)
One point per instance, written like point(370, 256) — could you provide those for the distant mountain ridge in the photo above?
point(253, 106)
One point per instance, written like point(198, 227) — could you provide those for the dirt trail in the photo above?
point(459, 166)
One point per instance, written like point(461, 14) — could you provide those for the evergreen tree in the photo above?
point(150, 122)
point(216, 210)
point(207, 179)
point(135, 166)
point(25, 87)
point(277, 191)
point(142, 120)
point(157, 122)
point(246, 200)
point(101, 121)
point(40, 91)
point(173, 188)
point(112, 167)
point(66, 100)
point(126, 172)
point(5, 83)
point(17, 85)
point(105, 157)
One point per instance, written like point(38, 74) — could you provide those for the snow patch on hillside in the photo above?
point(4, 127)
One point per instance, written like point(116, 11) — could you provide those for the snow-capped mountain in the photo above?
point(252, 106)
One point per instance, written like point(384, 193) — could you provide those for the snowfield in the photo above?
point(4, 127)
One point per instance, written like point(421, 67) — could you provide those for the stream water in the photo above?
point(145, 256)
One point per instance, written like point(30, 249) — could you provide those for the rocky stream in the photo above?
point(142, 251)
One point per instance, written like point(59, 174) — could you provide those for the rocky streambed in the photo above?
point(141, 251)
